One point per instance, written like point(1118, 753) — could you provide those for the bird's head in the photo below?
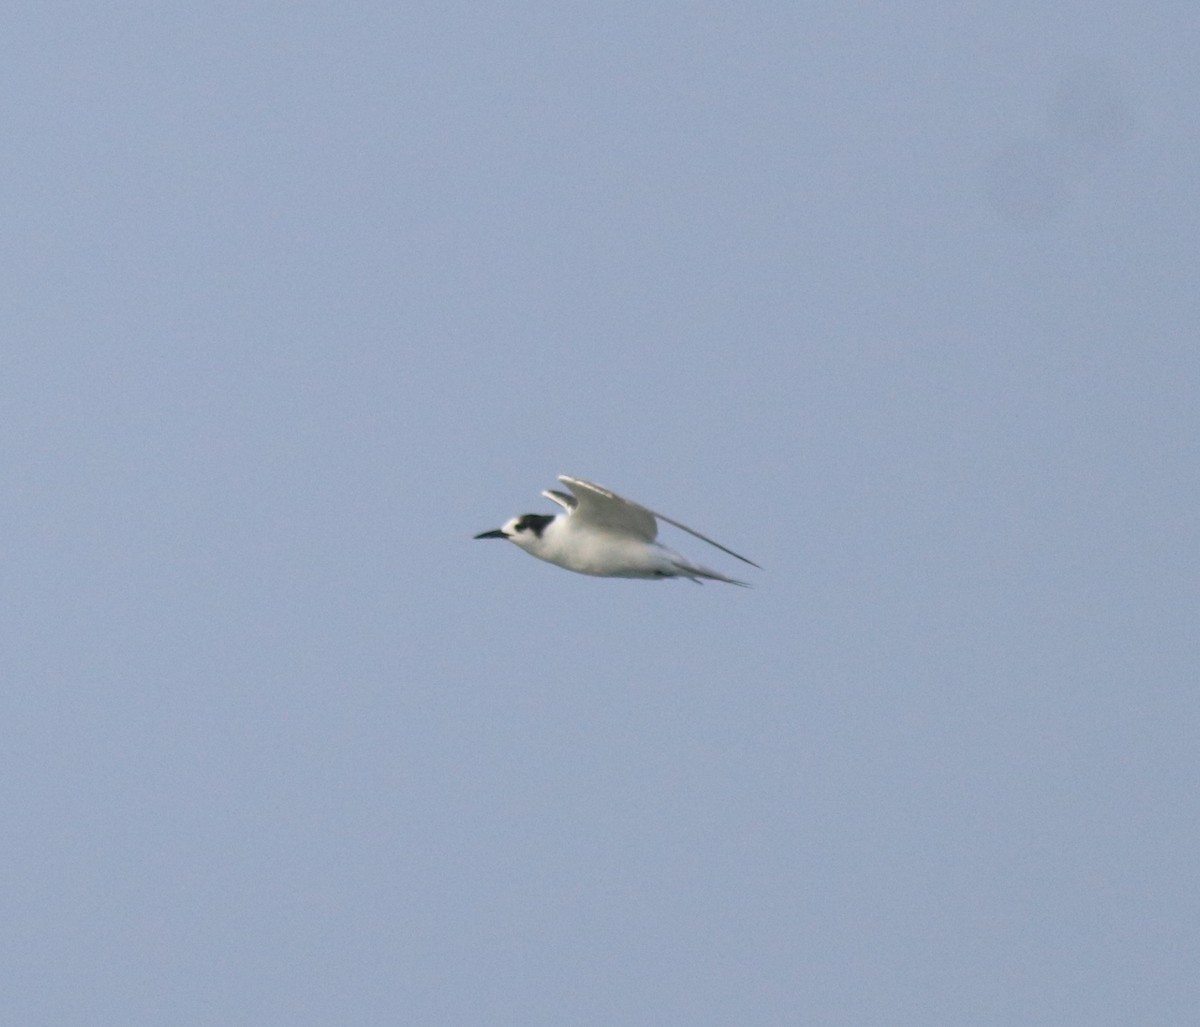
point(524, 531)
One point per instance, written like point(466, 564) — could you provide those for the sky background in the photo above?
point(901, 301)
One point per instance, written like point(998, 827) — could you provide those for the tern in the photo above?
point(606, 535)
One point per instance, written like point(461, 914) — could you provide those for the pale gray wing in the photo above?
point(567, 502)
point(603, 500)
point(597, 506)
point(705, 538)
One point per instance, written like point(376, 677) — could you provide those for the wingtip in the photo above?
point(567, 502)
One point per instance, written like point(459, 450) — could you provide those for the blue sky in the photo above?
point(900, 303)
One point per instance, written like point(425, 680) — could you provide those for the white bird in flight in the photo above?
point(604, 534)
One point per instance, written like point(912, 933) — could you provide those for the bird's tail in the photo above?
point(695, 572)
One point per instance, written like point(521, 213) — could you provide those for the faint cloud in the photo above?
point(1091, 117)
point(1025, 182)
point(1029, 178)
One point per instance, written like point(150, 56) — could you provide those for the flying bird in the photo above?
point(607, 535)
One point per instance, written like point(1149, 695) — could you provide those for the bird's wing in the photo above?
point(597, 507)
point(563, 499)
point(600, 506)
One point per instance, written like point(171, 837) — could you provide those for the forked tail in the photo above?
point(695, 572)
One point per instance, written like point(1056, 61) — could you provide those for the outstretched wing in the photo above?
point(596, 506)
point(602, 507)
